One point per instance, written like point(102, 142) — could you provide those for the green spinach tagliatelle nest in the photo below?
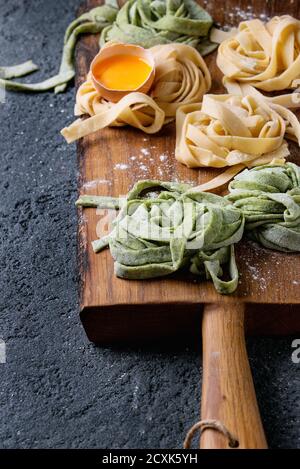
point(182, 227)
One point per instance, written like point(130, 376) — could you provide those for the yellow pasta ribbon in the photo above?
point(181, 77)
point(264, 55)
point(234, 131)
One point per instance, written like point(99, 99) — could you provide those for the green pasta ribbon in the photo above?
point(17, 71)
point(269, 198)
point(143, 22)
point(152, 22)
point(157, 236)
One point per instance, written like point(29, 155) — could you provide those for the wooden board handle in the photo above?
point(228, 393)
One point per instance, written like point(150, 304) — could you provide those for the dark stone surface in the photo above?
point(56, 389)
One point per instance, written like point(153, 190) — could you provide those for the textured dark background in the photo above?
point(56, 389)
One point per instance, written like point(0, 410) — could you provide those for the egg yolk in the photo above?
point(122, 72)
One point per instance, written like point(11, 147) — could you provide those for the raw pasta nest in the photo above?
point(264, 55)
point(235, 131)
point(152, 22)
point(181, 227)
point(181, 77)
point(269, 198)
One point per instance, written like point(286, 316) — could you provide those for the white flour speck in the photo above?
point(145, 151)
point(121, 166)
point(95, 183)
point(163, 157)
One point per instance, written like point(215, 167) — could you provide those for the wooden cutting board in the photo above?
point(110, 162)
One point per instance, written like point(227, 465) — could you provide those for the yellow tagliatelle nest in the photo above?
point(264, 55)
point(181, 77)
point(235, 131)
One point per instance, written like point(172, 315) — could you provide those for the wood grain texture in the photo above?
point(110, 306)
point(228, 393)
